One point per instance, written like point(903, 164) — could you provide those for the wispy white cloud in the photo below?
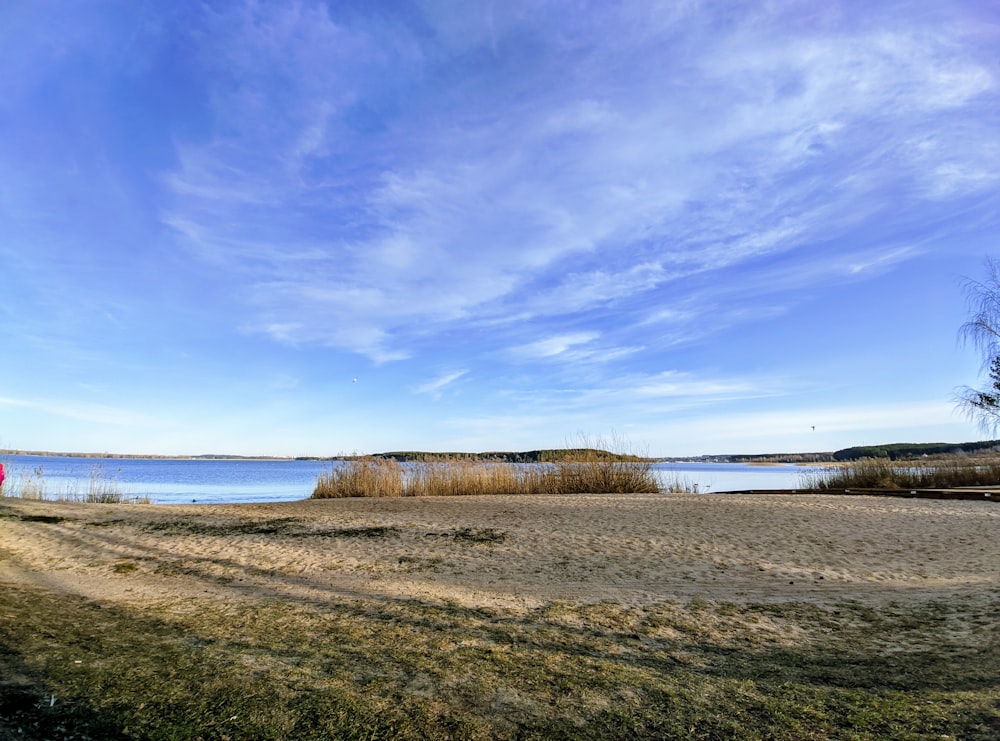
point(553, 346)
point(593, 194)
point(647, 408)
point(881, 261)
point(637, 395)
point(672, 384)
point(568, 211)
point(573, 348)
point(86, 412)
point(435, 386)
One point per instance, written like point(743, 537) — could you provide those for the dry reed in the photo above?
point(882, 473)
point(99, 489)
point(380, 477)
point(363, 477)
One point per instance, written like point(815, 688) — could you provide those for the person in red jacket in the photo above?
point(1, 475)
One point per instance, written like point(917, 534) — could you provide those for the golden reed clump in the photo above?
point(883, 473)
point(385, 477)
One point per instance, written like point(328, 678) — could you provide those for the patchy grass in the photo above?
point(47, 519)
point(371, 531)
point(382, 477)
point(277, 526)
point(288, 527)
point(269, 669)
point(479, 535)
point(284, 527)
point(883, 473)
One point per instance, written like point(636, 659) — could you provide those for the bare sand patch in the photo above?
point(510, 553)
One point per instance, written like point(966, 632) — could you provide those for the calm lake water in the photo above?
point(232, 481)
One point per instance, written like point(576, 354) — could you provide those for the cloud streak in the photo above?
point(592, 195)
point(435, 386)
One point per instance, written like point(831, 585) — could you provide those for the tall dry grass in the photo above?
point(596, 476)
point(380, 477)
point(23, 484)
point(100, 488)
point(362, 477)
point(458, 478)
point(882, 473)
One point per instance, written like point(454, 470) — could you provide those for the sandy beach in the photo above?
point(596, 616)
point(511, 553)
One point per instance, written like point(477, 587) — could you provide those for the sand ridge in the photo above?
point(510, 553)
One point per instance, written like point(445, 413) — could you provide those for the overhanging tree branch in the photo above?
point(982, 332)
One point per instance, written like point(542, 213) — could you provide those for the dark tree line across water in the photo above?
point(892, 451)
point(897, 451)
point(554, 455)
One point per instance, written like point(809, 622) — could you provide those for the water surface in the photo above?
point(247, 481)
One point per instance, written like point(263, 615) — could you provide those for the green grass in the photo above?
point(381, 477)
point(370, 668)
point(883, 473)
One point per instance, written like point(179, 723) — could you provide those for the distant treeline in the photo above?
point(147, 456)
point(123, 456)
point(893, 451)
point(781, 458)
point(529, 456)
point(897, 451)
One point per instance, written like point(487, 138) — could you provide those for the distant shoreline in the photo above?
point(893, 451)
point(146, 456)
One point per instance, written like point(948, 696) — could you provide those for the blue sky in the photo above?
point(701, 227)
